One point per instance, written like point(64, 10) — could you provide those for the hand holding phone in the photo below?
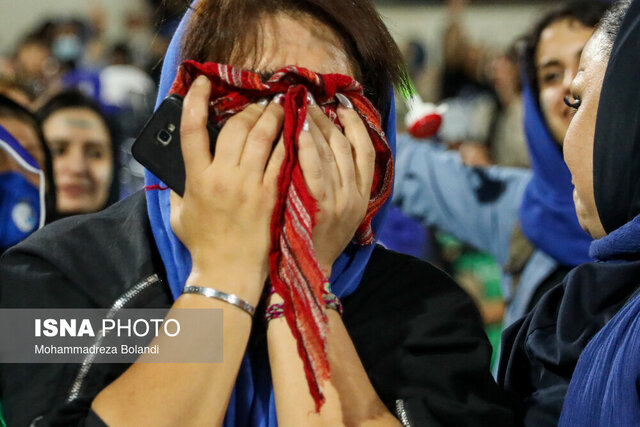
point(157, 148)
point(224, 217)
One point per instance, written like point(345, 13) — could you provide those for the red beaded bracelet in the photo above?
point(275, 311)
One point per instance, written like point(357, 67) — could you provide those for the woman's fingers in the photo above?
point(260, 140)
point(331, 173)
point(339, 146)
point(311, 165)
point(234, 133)
point(363, 151)
point(193, 127)
point(272, 170)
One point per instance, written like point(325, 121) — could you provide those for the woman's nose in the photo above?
point(75, 160)
point(569, 75)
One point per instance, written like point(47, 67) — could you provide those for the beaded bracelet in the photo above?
point(275, 311)
point(333, 302)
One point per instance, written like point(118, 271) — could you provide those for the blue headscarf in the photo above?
point(22, 205)
point(604, 386)
point(252, 400)
point(547, 213)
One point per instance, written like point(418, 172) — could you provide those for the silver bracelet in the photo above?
point(222, 296)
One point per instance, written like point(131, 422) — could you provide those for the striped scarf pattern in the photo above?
point(294, 271)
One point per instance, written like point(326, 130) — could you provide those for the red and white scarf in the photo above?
point(293, 267)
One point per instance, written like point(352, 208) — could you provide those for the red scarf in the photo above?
point(293, 268)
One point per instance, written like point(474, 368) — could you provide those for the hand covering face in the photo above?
point(293, 266)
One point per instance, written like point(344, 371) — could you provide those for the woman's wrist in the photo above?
point(326, 270)
point(275, 304)
point(245, 285)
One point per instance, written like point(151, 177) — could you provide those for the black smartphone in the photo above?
point(157, 148)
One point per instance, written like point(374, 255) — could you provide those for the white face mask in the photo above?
point(67, 47)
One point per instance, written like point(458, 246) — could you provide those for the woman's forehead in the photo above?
point(302, 41)
point(561, 41)
point(593, 61)
point(594, 49)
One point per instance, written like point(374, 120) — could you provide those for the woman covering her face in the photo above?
point(289, 196)
point(81, 144)
point(545, 347)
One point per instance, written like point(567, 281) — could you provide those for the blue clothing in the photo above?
point(22, 205)
point(618, 244)
point(404, 234)
point(547, 213)
point(604, 387)
point(19, 205)
point(479, 206)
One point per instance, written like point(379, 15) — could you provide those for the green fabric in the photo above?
point(494, 332)
point(483, 267)
point(2, 423)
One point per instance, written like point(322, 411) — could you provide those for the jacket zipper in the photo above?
point(401, 412)
point(74, 392)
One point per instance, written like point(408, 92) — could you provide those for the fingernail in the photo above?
point(279, 98)
point(263, 102)
point(310, 99)
point(344, 101)
point(305, 126)
point(201, 80)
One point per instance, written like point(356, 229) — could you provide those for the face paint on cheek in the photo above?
point(102, 176)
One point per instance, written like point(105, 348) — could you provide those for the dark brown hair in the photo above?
point(586, 13)
point(611, 22)
point(219, 29)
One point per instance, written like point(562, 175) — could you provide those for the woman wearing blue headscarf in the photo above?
point(554, 346)
point(410, 348)
point(525, 219)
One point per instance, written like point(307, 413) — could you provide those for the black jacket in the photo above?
point(419, 336)
point(541, 350)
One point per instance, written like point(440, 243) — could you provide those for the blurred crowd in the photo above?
point(75, 80)
point(480, 85)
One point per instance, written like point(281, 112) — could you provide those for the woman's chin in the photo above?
point(591, 225)
point(66, 207)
